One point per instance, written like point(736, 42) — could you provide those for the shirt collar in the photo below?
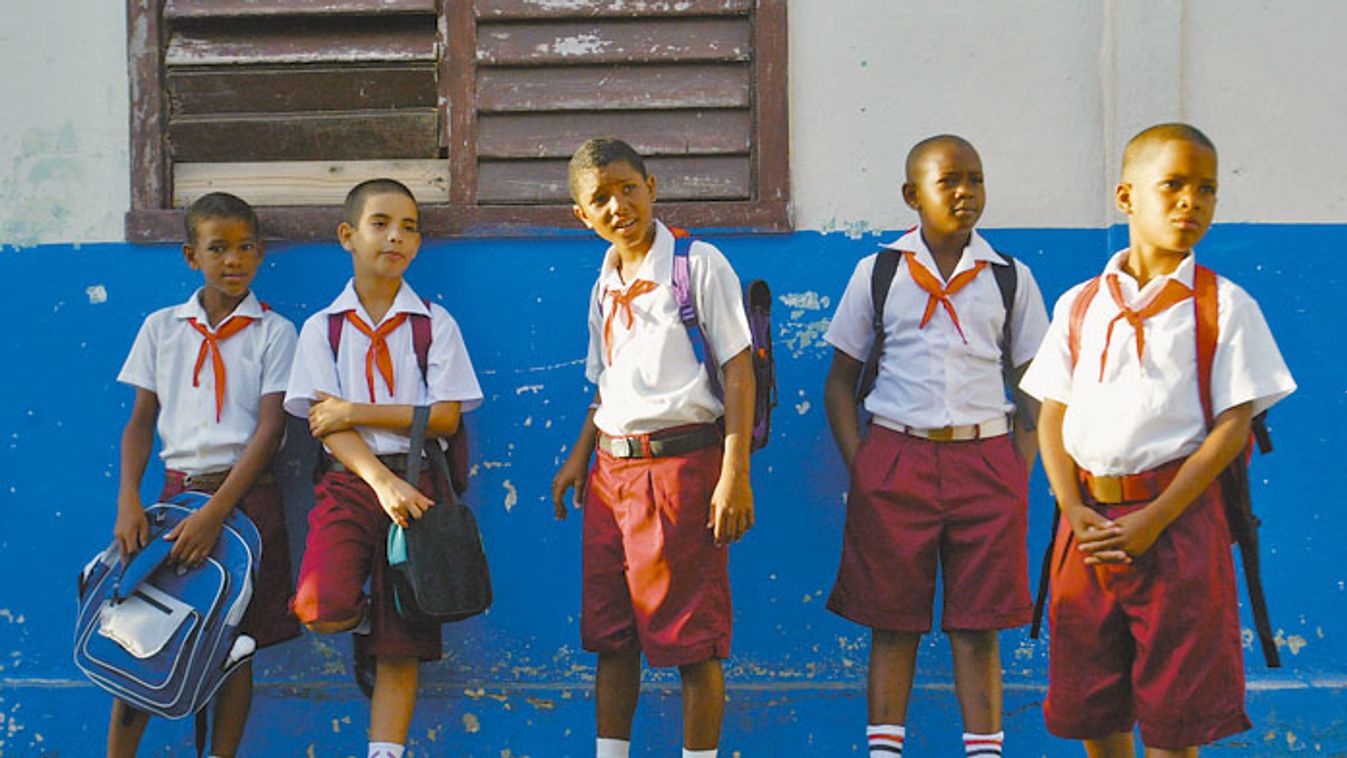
point(249, 307)
point(977, 249)
point(406, 301)
point(1183, 274)
point(656, 267)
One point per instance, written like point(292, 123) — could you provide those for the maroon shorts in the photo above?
point(916, 504)
point(1155, 642)
point(653, 579)
point(268, 619)
point(347, 544)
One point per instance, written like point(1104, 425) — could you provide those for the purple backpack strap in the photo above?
point(420, 335)
point(687, 312)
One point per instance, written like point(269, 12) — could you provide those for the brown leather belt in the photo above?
point(214, 480)
point(1129, 488)
point(396, 462)
point(678, 440)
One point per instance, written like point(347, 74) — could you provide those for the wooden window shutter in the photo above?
point(474, 104)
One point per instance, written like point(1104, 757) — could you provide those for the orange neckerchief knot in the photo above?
point(210, 345)
point(1171, 294)
point(378, 354)
point(622, 302)
point(937, 294)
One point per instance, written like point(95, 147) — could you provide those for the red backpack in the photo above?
point(1234, 480)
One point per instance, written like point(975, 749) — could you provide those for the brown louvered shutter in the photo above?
point(474, 104)
point(675, 78)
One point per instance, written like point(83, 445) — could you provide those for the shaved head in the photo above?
point(919, 151)
point(1142, 146)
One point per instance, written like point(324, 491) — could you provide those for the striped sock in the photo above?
point(385, 750)
point(985, 745)
point(886, 740)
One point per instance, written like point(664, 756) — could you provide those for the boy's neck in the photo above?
point(1146, 262)
point(946, 249)
point(631, 257)
point(218, 305)
point(376, 295)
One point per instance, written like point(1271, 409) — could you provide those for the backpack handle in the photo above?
point(140, 565)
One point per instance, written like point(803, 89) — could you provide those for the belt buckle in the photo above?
point(943, 434)
point(620, 447)
point(1107, 489)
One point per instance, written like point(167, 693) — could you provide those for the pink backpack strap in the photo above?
point(1079, 308)
point(1205, 308)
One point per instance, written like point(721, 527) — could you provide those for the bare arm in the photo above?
point(732, 500)
point(131, 530)
point(195, 535)
point(333, 414)
point(1026, 420)
point(1085, 522)
point(575, 471)
point(839, 399)
point(399, 499)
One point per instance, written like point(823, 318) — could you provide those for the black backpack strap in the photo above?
point(1007, 280)
point(881, 279)
point(1044, 570)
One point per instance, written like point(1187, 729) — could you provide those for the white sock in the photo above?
point(984, 745)
point(886, 740)
point(607, 747)
point(385, 750)
point(701, 753)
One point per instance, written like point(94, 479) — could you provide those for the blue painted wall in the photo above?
point(515, 682)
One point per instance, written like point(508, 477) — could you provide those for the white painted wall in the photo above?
point(1048, 90)
point(63, 136)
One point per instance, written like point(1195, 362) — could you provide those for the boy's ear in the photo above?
point(1122, 197)
point(189, 255)
point(910, 195)
point(344, 233)
point(650, 185)
point(579, 213)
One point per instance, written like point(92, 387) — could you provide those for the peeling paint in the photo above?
point(97, 294)
point(511, 495)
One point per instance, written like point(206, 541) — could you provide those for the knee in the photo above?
point(325, 612)
point(980, 643)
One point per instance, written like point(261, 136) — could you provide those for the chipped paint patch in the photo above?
point(802, 407)
point(577, 45)
point(98, 294)
point(808, 300)
point(798, 337)
point(511, 495)
point(533, 388)
point(470, 723)
point(1293, 642)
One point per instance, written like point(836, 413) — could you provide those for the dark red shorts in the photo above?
point(653, 578)
point(268, 619)
point(1155, 642)
point(347, 544)
point(916, 504)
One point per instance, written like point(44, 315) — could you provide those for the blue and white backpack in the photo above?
point(162, 638)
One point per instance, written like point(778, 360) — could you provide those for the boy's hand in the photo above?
point(1135, 533)
point(400, 500)
point(573, 473)
point(330, 414)
point(132, 529)
point(1096, 536)
point(731, 508)
point(194, 537)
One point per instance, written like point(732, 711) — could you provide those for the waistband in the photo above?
point(677, 440)
point(1128, 488)
point(997, 427)
point(214, 480)
point(395, 462)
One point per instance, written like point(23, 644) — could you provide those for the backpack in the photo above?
point(161, 638)
point(1234, 479)
point(437, 562)
point(758, 309)
point(456, 449)
point(881, 279)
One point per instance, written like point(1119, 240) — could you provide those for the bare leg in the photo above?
point(1113, 746)
point(977, 679)
point(124, 738)
point(232, 702)
point(1160, 752)
point(893, 662)
point(617, 688)
point(394, 700)
point(703, 704)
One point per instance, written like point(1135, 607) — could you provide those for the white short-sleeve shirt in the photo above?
point(929, 377)
point(449, 373)
point(1147, 412)
point(655, 380)
point(162, 359)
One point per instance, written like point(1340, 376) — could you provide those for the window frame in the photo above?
point(151, 217)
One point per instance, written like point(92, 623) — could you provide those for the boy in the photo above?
point(219, 425)
point(1145, 626)
point(359, 395)
point(960, 495)
point(667, 493)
